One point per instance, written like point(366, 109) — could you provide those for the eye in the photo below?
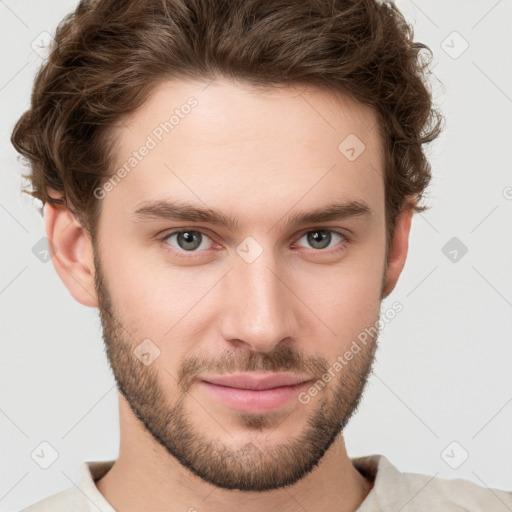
point(187, 240)
point(320, 239)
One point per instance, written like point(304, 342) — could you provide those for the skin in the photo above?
point(261, 157)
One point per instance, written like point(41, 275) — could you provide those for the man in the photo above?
point(232, 185)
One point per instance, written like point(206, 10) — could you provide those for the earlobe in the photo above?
point(398, 250)
point(71, 252)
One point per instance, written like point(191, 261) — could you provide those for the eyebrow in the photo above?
point(180, 211)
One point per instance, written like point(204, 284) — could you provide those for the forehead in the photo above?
point(225, 143)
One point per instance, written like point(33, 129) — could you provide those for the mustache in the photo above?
point(283, 359)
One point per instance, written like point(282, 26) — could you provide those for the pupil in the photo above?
point(188, 238)
point(319, 237)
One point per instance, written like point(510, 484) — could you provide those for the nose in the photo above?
point(260, 308)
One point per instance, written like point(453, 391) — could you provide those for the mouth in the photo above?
point(256, 394)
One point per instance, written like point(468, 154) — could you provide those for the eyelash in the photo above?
point(181, 254)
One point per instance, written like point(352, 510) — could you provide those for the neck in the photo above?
point(146, 477)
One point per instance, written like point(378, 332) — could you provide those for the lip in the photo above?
point(255, 394)
point(257, 381)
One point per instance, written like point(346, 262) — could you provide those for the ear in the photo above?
point(398, 250)
point(71, 252)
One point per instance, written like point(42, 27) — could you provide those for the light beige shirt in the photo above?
point(392, 491)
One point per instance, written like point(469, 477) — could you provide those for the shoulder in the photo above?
point(80, 497)
point(394, 490)
point(62, 501)
point(455, 494)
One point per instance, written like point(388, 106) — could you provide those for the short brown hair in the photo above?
point(109, 55)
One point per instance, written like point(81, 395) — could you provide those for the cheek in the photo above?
point(348, 305)
point(152, 298)
point(137, 295)
point(347, 296)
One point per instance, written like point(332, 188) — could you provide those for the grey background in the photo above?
point(442, 373)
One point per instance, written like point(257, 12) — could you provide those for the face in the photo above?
point(258, 288)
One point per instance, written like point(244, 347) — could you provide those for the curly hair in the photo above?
point(110, 54)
